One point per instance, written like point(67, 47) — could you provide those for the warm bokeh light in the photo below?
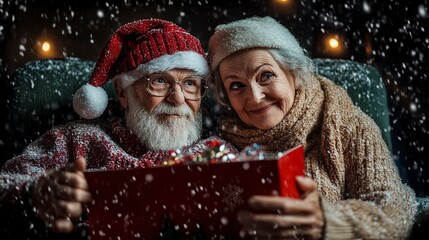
point(368, 45)
point(333, 43)
point(284, 6)
point(46, 46)
point(284, 2)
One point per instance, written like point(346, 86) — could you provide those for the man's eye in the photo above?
point(190, 82)
point(159, 81)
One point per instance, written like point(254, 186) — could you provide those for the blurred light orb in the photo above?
point(333, 43)
point(413, 107)
point(422, 10)
point(100, 13)
point(366, 7)
point(46, 46)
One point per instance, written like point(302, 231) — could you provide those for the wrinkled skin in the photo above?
point(274, 217)
point(58, 196)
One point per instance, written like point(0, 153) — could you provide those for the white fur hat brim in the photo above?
point(183, 60)
point(254, 32)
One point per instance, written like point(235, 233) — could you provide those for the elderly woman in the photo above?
point(352, 189)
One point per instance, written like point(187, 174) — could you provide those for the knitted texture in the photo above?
point(138, 43)
point(106, 145)
point(362, 194)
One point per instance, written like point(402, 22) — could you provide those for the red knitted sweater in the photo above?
point(106, 145)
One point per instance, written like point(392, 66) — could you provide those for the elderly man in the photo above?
point(159, 73)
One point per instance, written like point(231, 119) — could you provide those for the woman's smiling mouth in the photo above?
point(262, 109)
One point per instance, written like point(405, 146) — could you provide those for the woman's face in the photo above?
point(260, 91)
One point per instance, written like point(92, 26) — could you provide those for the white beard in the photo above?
point(174, 133)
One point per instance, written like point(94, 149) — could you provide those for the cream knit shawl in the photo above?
point(361, 190)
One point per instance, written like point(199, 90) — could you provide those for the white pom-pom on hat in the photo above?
point(90, 101)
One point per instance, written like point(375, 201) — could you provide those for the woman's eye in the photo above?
point(235, 86)
point(266, 77)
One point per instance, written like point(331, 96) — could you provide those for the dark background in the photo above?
point(389, 35)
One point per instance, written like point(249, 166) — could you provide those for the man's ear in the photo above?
point(120, 93)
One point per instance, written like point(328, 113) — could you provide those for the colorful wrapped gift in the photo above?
point(188, 197)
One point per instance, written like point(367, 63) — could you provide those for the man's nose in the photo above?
point(176, 97)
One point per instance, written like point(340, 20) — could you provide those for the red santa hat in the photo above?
point(134, 50)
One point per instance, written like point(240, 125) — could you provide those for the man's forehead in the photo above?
point(181, 70)
point(178, 71)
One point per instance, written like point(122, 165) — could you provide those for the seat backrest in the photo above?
point(41, 95)
point(365, 87)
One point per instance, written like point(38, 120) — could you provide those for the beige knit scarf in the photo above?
point(302, 120)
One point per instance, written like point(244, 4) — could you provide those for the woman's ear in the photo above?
point(295, 79)
point(291, 75)
point(120, 94)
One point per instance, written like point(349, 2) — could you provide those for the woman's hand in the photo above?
point(58, 196)
point(285, 218)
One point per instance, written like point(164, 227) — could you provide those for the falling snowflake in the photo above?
point(232, 196)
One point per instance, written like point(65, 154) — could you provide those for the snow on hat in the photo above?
point(248, 33)
point(134, 50)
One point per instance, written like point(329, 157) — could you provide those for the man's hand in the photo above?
point(285, 218)
point(58, 195)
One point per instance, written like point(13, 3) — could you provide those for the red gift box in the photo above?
point(185, 201)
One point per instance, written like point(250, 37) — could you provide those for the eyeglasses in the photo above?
point(162, 85)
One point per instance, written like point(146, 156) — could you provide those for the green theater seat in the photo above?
point(364, 85)
point(41, 97)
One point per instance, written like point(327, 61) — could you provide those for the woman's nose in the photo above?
point(256, 93)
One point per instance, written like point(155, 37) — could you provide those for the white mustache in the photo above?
point(164, 108)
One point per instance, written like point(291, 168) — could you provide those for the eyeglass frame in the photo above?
point(203, 86)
